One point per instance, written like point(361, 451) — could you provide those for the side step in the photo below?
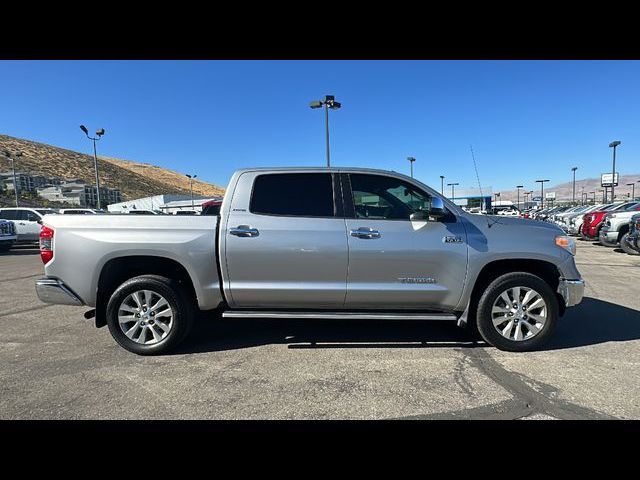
point(340, 315)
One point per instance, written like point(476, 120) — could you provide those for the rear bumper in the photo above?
point(572, 291)
point(607, 235)
point(52, 290)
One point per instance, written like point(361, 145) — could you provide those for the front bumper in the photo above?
point(572, 291)
point(607, 235)
point(634, 240)
point(52, 290)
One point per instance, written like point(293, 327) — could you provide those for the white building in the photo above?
point(161, 203)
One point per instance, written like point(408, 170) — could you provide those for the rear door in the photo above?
point(394, 262)
point(285, 243)
point(28, 221)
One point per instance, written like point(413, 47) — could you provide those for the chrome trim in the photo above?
point(340, 315)
point(572, 291)
point(244, 231)
point(52, 290)
point(365, 232)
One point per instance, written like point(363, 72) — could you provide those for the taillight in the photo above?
point(46, 244)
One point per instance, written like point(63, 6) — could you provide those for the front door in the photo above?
point(394, 262)
point(285, 242)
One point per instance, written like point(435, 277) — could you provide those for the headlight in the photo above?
point(566, 242)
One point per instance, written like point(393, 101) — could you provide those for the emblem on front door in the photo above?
point(452, 239)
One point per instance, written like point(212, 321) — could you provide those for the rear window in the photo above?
point(9, 214)
point(293, 194)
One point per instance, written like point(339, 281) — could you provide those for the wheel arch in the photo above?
point(117, 270)
point(547, 271)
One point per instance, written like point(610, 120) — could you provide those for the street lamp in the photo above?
point(613, 145)
point(411, 160)
point(442, 184)
point(574, 183)
point(519, 187)
point(633, 190)
point(191, 185)
point(452, 185)
point(542, 182)
point(329, 102)
point(7, 154)
point(594, 197)
point(99, 133)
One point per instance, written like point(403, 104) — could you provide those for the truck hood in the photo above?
point(494, 223)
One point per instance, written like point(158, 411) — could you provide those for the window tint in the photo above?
point(386, 198)
point(9, 214)
point(293, 194)
point(30, 216)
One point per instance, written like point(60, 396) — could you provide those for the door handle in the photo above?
point(364, 232)
point(244, 231)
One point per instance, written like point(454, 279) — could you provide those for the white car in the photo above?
point(77, 211)
point(26, 221)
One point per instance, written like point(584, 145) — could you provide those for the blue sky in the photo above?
point(525, 119)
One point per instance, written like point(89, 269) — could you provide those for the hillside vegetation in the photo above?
point(135, 180)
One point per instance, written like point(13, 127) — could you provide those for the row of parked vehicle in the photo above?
point(23, 224)
point(613, 224)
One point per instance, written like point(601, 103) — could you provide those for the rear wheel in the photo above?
point(149, 314)
point(626, 247)
point(517, 312)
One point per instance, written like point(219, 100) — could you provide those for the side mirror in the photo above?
point(436, 209)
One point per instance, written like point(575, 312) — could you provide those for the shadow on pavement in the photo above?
point(592, 322)
point(595, 321)
point(17, 250)
point(213, 333)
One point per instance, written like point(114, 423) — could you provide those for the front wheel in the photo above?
point(517, 312)
point(626, 247)
point(149, 314)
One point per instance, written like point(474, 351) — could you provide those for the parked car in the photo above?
point(8, 235)
point(575, 220)
point(631, 242)
point(26, 221)
point(616, 225)
point(212, 207)
point(594, 221)
point(77, 211)
point(409, 252)
point(142, 212)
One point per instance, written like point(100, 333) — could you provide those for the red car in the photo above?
point(212, 207)
point(593, 221)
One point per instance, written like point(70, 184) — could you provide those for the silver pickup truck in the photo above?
point(339, 243)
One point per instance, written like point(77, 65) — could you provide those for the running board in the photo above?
point(340, 315)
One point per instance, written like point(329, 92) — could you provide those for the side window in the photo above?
point(385, 198)
point(30, 216)
point(293, 194)
point(9, 214)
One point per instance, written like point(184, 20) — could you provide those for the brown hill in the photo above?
point(135, 180)
point(564, 191)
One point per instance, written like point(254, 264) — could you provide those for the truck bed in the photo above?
point(88, 242)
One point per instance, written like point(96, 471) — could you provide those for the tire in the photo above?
point(177, 299)
point(492, 295)
point(626, 247)
point(5, 248)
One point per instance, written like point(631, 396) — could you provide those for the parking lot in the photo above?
point(54, 364)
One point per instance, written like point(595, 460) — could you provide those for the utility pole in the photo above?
point(329, 102)
point(574, 184)
point(442, 185)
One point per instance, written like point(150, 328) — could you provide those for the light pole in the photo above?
point(574, 183)
point(613, 145)
point(329, 102)
point(99, 133)
point(411, 160)
point(582, 194)
point(633, 190)
point(594, 197)
point(519, 187)
point(442, 184)
point(11, 157)
point(452, 185)
point(542, 182)
point(191, 185)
